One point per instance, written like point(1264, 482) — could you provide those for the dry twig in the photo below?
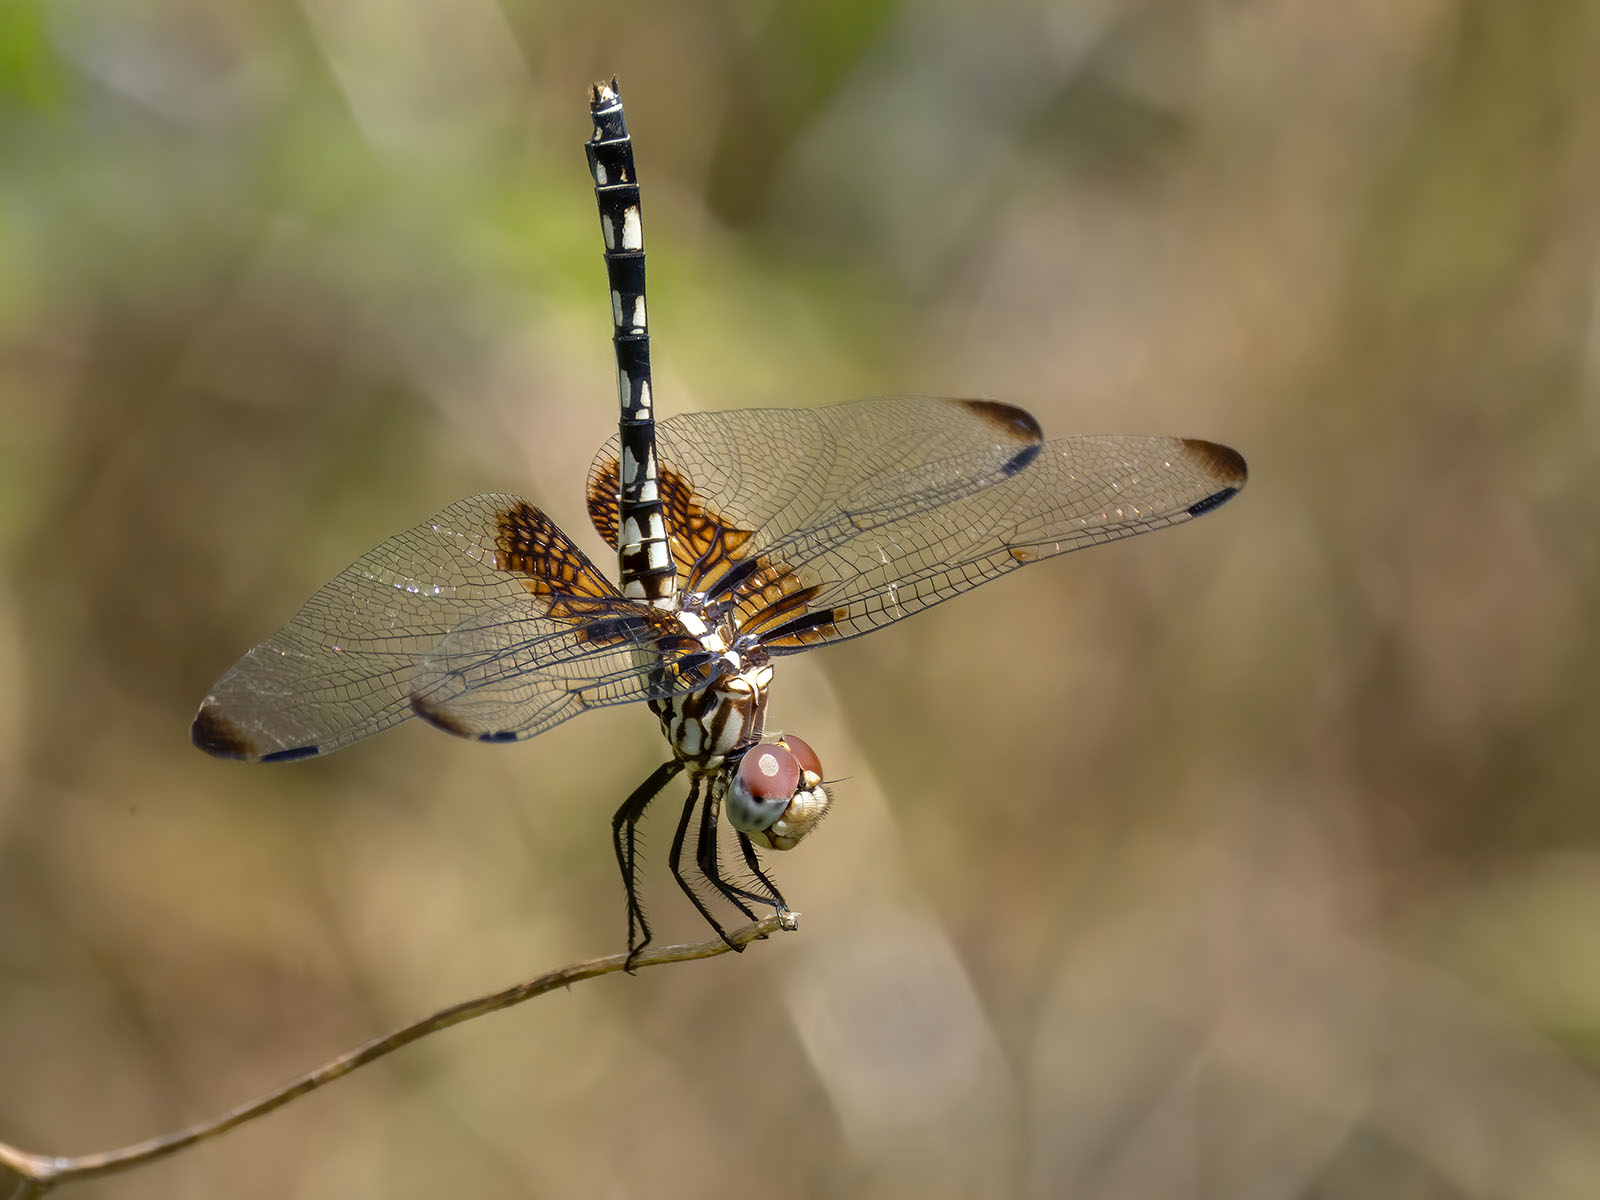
point(39, 1173)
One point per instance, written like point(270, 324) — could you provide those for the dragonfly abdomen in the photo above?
point(643, 556)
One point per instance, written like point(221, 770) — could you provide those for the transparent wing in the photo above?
point(734, 483)
point(857, 576)
point(507, 674)
point(825, 524)
point(499, 624)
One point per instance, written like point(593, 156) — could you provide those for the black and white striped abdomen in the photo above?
point(643, 556)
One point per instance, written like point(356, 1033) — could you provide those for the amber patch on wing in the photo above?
point(529, 544)
point(771, 601)
point(702, 539)
point(807, 629)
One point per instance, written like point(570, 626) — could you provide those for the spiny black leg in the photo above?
point(753, 861)
point(711, 864)
point(727, 886)
point(711, 868)
point(677, 862)
point(622, 840)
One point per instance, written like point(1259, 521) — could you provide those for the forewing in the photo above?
point(857, 575)
point(735, 483)
point(828, 523)
point(343, 668)
point(508, 673)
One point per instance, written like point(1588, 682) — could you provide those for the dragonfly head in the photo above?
point(776, 794)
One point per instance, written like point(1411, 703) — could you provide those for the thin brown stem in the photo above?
point(41, 1172)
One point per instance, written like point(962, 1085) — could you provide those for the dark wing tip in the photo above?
point(438, 717)
point(1215, 500)
point(216, 734)
point(1021, 460)
point(1008, 419)
point(1223, 463)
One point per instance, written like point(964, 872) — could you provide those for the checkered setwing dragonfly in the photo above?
point(742, 537)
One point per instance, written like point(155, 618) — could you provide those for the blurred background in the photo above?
point(1257, 859)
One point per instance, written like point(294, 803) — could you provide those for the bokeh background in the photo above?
point(1257, 859)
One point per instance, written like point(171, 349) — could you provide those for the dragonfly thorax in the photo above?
point(771, 791)
point(705, 726)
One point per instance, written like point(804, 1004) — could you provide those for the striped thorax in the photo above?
point(772, 791)
point(705, 726)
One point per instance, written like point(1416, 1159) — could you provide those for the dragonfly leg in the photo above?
point(707, 860)
point(751, 860)
point(622, 840)
point(689, 805)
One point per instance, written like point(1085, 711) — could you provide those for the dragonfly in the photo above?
point(741, 537)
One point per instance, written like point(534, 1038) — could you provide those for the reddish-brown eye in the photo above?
point(803, 754)
point(763, 785)
point(770, 772)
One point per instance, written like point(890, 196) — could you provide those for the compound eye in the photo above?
point(803, 754)
point(767, 779)
point(770, 772)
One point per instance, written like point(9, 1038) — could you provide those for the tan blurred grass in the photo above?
point(1256, 859)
